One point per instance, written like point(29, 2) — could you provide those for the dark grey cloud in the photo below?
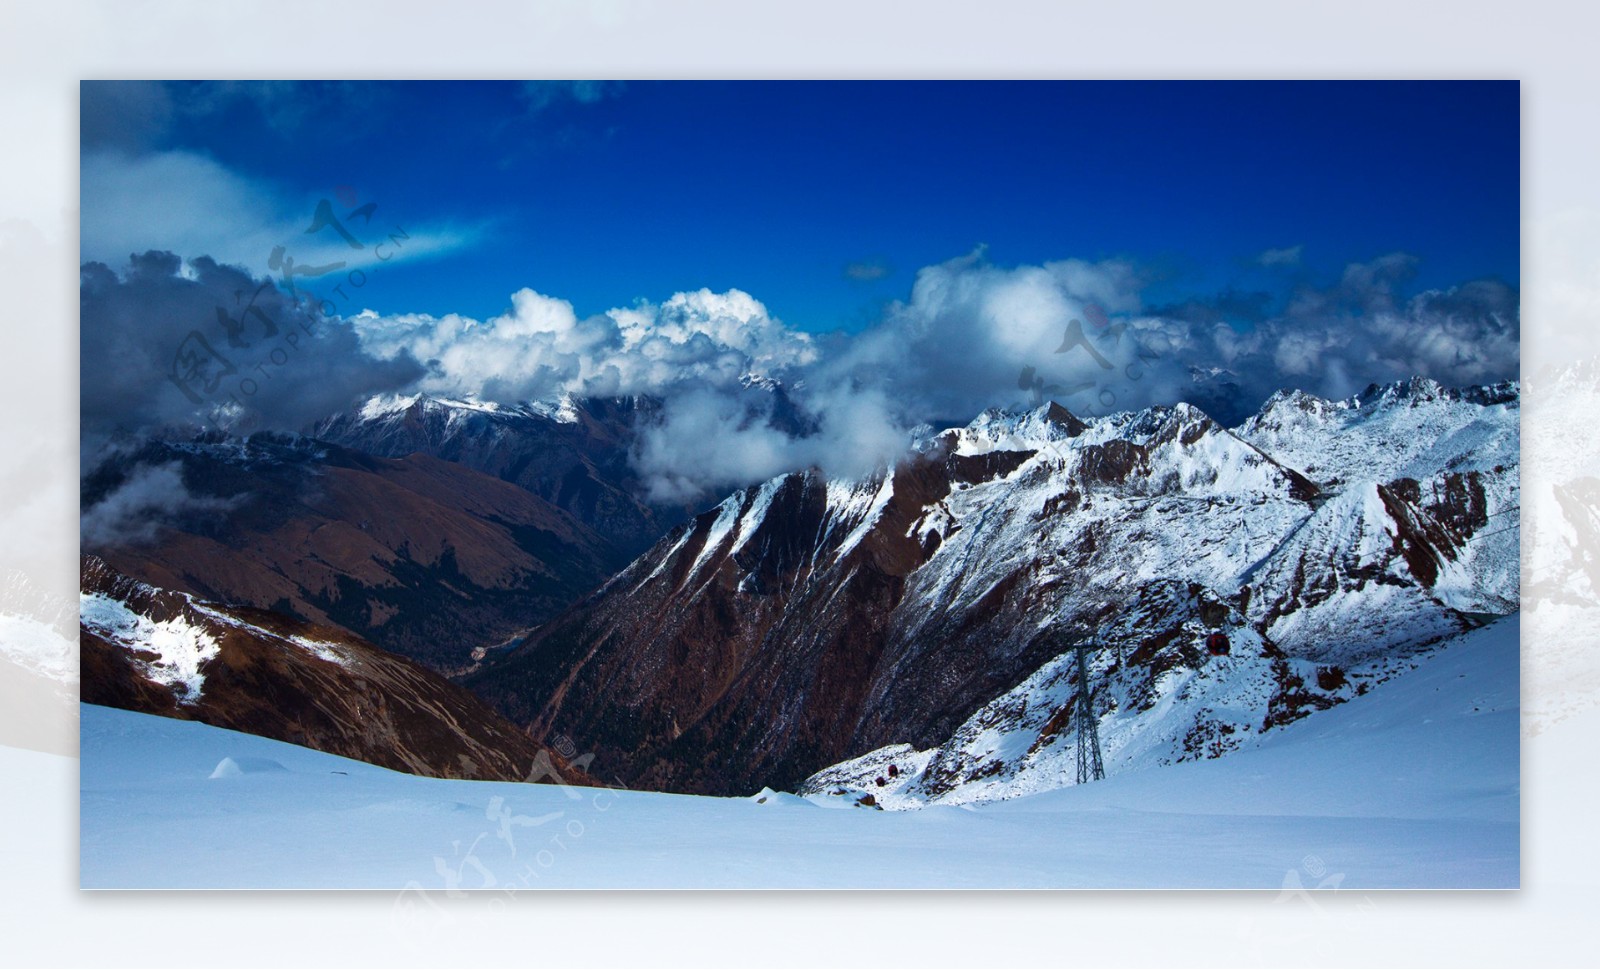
point(148, 497)
point(169, 343)
point(1362, 330)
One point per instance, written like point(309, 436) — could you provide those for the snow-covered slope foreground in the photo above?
point(1413, 784)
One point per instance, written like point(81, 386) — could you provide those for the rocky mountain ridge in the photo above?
point(806, 622)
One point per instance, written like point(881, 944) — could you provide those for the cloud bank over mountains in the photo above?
point(540, 348)
point(971, 334)
point(167, 342)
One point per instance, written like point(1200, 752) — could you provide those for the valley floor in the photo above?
point(1414, 784)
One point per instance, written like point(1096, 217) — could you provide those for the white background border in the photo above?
point(46, 48)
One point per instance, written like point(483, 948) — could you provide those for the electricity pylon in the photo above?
point(1090, 767)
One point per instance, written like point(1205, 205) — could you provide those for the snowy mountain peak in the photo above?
point(999, 429)
point(810, 620)
point(1408, 429)
point(1420, 391)
point(1160, 424)
point(384, 407)
point(1285, 404)
point(1415, 391)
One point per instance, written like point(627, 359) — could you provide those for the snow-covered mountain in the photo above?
point(805, 622)
point(1413, 429)
point(580, 454)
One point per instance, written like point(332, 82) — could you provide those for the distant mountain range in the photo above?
point(809, 632)
point(804, 622)
point(571, 454)
point(425, 557)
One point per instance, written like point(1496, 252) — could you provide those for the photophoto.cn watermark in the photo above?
point(1097, 396)
point(527, 848)
point(248, 347)
point(1313, 888)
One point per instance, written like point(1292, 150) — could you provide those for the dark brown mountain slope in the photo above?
point(162, 652)
point(806, 621)
point(424, 557)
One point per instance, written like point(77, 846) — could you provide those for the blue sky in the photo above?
point(823, 199)
point(890, 253)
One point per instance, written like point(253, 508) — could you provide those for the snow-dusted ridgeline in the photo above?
point(999, 544)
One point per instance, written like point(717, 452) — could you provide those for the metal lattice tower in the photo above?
point(1090, 767)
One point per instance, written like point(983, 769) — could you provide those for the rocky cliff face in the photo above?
point(803, 622)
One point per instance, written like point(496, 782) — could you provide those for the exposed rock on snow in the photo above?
point(806, 622)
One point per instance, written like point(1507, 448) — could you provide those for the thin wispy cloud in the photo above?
point(1287, 256)
point(149, 498)
point(542, 95)
point(188, 204)
point(867, 271)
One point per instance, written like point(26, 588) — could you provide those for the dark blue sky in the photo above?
point(609, 193)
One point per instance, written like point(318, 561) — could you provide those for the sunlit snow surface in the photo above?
point(169, 652)
point(1412, 784)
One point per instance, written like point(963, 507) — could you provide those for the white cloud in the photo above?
point(971, 335)
point(970, 328)
point(708, 441)
point(540, 348)
point(958, 344)
point(191, 205)
point(702, 353)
